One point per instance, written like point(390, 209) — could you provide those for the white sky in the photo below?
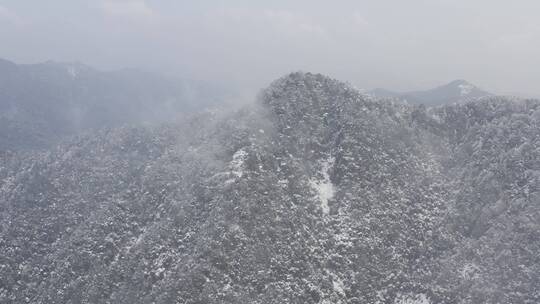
point(402, 45)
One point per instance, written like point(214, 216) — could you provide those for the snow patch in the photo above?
point(237, 163)
point(412, 299)
point(435, 116)
point(72, 71)
point(323, 186)
point(338, 286)
point(465, 89)
point(343, 238)
point(469, 271)
point(234, 169)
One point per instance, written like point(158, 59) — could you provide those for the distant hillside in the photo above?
point(455, 91)
point(42, 103)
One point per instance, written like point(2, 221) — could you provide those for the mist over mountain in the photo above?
point(314, 194)
point(457, 91)
point(41, 104)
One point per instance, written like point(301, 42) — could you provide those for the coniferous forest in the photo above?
point(315, 193)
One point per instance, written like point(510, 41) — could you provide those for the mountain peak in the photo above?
point(304, 91)
point(302, 79)
point(458, 82)
point(463, 88)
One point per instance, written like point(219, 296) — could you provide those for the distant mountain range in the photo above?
point(455, 91)
point(42, 103)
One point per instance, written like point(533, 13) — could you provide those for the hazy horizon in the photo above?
point(400, 46)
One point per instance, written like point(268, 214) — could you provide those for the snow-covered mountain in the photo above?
point(43, 103)
point(316, 194)
point(454, 92)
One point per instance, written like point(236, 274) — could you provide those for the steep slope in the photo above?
point(457, 91)
point(42, 103)
point(314, 195)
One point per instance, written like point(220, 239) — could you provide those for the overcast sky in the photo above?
point(397, 44)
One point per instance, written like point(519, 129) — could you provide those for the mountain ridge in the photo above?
point(458, 90)
point(41, 104)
